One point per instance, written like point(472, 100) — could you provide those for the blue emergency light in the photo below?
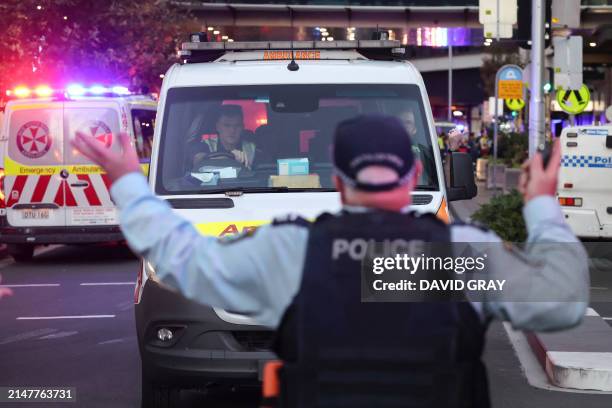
point(71, 91)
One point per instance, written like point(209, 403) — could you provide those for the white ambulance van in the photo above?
point(585, 181)
point(53, 194)
point(286, 113)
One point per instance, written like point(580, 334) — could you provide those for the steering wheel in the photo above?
point(219, 155)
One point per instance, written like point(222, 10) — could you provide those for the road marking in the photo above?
point(607, 318)
point(30, 285)
point(26, 335)
point(124, 306)
point(58, 335)
point(591, 312)
point(111, 341)
point(65, 317)
point(106, 283)
point(599, 288)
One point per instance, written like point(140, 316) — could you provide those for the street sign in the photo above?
point(508, 85)
point(572, 101)
point(497, 17)
point(510, 82)
point(566, 14)
point(567, 62)
point(492, 107)
point(515, 104)
point(488, 11)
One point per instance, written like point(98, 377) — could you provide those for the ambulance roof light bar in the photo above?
point(71, 91)
point(202, 51)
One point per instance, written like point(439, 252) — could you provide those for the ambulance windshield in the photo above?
point(274, 136)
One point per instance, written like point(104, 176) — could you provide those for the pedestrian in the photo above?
point(485, 144)
point(473, 147)
point(299, 277)
point(455, 140)
point(442, 145)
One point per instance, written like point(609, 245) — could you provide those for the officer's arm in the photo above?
point(255, 275)
point(547, 284)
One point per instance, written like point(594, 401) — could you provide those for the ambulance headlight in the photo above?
point(165, 334)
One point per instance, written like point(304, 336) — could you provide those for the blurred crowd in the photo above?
point(457, 141)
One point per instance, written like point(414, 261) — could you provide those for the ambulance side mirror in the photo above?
point(462, 184)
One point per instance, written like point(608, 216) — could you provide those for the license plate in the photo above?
point(35, 214)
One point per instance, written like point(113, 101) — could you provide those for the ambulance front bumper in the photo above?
point(204, 348)
point(60, 235)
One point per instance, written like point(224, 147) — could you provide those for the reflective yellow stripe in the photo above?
point(36, 106)
point(143, 103)
point(13, 168)
point(228, 228)
point(225, 228)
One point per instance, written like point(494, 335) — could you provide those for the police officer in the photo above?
point(294, 276)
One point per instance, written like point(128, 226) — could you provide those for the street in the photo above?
point(260, 157)
point(93, 346)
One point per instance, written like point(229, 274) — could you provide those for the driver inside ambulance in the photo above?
point(228, 139)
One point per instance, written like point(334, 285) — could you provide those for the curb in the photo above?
point(579, 358)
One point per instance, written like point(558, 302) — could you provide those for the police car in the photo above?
point(53, 194)
point(584, 190)
point(279, 104)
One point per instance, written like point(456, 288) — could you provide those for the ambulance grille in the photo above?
point(421, 199)
point(254, 340)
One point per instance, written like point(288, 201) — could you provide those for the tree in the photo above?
point(106, 41)
point(498, 57)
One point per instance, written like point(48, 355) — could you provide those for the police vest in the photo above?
point(247, 147)
point(341, 352)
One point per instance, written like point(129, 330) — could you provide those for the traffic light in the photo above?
point(524, 23)
point(549, 80)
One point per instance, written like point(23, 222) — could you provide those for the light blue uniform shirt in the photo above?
point(259, 275)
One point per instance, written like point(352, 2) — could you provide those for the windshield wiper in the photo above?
point(238, 191)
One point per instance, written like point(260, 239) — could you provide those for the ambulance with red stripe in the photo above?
point(282, 113)
point(52, 193)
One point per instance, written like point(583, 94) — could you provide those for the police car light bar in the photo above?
point(199, 50)
point(71, 91)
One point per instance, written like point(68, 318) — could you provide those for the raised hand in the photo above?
point(115, 164)
point(536, 180)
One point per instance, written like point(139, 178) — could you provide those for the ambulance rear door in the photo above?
point(88, 201)
point(586, 171)
point(33, 160)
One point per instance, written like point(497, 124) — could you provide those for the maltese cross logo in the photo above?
point(33, 139)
